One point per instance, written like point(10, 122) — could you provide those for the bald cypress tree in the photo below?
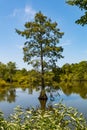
point(41, 47)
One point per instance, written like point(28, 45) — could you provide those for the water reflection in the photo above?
point(7, 94)
point(79, 88)
point(43, 104)
point(73, 93)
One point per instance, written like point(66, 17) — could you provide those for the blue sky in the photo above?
point(14, 14)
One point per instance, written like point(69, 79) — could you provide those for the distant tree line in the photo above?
point(68, 72)
point(77, 71)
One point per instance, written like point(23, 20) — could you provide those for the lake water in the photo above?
point(73, 95)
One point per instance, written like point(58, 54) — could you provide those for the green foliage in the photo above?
point(7, 71)
point(82, 4)
point(57, 72)
point(59, 118)
point(68, 72)
point(79, 88)
point(3, 83)
point(42, 40)
point(77, 71)
point(3, 70)
point(27, 78)
point(41, 49)
point(11, 67)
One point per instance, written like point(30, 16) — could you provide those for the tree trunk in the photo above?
point(43, 104)
point(42, 69)
point(43, 95)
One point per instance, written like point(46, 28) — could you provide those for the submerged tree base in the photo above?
point(42, 104)
point(43, 95)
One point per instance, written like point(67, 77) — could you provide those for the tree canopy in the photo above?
point(82, 4)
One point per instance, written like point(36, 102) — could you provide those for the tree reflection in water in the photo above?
point(8, 94)
point(79, 88)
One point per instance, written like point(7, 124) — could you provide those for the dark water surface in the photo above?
point(73, 94)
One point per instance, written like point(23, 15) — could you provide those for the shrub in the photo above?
point(3, 83)
point(59, 118)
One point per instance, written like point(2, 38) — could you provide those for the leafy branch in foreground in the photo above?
point(82, 4)
point(59, 118)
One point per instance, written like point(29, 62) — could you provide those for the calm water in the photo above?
point(73, 94)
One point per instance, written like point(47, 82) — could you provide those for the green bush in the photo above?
point(2, 83)
point(59, 118)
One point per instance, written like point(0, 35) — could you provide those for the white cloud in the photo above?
point(15, 12)
point(66, 43)
point(27, 12)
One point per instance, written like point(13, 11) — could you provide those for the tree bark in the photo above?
point(43, 95)
point(43, 104)
point(42, 69)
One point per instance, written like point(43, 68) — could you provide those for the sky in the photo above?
point(15, 13)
